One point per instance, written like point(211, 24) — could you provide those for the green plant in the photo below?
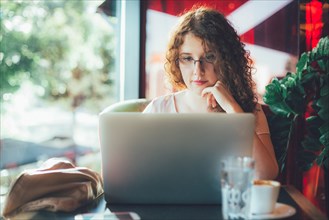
point(303, 94)
point(44, 42)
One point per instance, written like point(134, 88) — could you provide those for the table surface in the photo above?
point(288, 195)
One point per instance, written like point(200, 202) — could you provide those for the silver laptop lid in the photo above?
point(169, 158)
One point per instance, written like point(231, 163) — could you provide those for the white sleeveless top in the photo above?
point(167, 104)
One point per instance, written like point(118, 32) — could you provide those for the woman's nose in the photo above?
point(198, 69)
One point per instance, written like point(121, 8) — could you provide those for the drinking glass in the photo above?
point(236, 182)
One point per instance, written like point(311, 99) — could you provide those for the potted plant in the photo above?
point(303, 95)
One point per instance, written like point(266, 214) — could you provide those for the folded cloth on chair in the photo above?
point(56, 186)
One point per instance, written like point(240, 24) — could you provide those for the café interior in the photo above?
point(64, 62)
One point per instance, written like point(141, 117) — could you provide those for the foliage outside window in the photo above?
point(57, 68)
point(62, 48)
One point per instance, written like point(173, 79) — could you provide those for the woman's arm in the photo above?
point(263, 152)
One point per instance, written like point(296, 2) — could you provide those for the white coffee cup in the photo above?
point(264, 195)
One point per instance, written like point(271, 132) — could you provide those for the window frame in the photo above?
point(128, 64)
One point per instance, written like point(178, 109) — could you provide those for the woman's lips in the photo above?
point(199, 82)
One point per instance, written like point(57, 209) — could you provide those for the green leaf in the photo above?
point(307, 77)
point(306, 159)
point(301, 65)
point(313, 123)
point(273, 92)
point(324, 128)
point(324, 139)
point(322, 46)
point(323, 101)
point(322, 64)
point(315, 107)
point(300, 90)
point(283, 91)
point(274, 98)
point(323, 113)
point(312, 144)
point(322, 157)
point(312, 119)
point(290, 81)
point(282, 109)
point(319, 159)
point(296, 102)
point(324, 90)
point(325, 163)
point(313, 131)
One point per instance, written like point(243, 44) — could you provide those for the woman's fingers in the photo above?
point(218, 96)
point(213, 102)
point(206, 91)
point(207, 100)
point(214, 94)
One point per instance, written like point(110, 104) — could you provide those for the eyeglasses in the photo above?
point(188, 62)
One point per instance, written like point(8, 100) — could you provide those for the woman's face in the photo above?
point(196, 64)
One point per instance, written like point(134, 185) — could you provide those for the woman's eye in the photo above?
point(210, 57)
point(187, 59)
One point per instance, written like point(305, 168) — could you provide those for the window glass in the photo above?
point(57, 64)
point(268, 28)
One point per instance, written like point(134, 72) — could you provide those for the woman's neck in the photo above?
point(191, 102)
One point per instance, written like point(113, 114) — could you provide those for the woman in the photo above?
point(208, 66)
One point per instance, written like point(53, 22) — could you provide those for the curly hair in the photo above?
point(233, 62)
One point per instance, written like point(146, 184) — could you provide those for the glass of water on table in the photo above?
point(236, 182)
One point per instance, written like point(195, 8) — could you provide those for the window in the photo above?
point(59, 64)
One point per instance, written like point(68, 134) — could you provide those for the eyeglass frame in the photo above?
point(202, 61)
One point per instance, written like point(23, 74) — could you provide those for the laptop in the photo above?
point(169, 158)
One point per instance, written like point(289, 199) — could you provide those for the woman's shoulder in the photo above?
point(164, 103)
point(164, 98)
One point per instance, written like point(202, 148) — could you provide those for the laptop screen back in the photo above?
point(169, 158)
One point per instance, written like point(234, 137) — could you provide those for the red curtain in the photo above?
point(313, 23)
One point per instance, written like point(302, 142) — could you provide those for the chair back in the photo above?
point(131, 105)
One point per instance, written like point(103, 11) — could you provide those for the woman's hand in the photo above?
point(219, 96)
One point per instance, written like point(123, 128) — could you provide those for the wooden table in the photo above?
point(304, 206)
point(288, 195)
